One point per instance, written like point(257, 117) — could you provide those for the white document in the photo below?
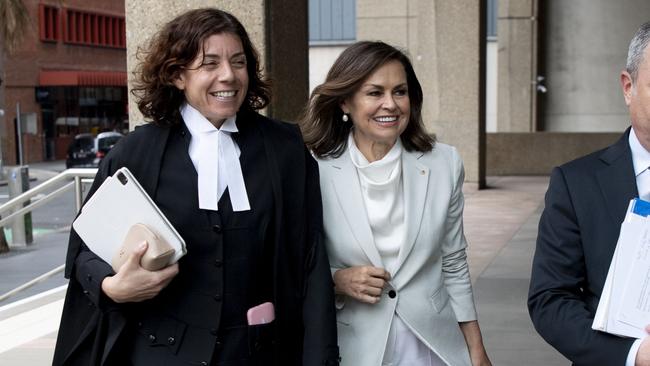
point(119, 203)
point(635, 304)
point(609, 317)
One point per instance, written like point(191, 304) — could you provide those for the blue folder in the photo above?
point(641, 207)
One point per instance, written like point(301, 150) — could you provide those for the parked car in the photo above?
point(86, 151)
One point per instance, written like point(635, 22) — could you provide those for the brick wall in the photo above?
point(21, 71)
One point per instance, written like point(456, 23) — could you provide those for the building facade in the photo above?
point(67, 77)
point(559, 93)
point(535, 85)
point(332, 28)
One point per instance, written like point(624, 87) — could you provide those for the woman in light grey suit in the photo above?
point(392, 211)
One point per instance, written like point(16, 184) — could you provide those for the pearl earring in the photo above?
point(345, 117)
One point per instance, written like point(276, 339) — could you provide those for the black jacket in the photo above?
point(92, 325)
point(586, 203)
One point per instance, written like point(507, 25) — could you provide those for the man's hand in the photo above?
point(132, 283)
point(363, 283)
point(643, 354)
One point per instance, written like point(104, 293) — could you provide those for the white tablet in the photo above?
point(119, 203)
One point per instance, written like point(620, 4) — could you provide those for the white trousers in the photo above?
point(405, 349)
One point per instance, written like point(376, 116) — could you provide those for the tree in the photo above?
point(14, 23)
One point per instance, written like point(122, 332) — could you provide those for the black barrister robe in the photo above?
point(94, 330)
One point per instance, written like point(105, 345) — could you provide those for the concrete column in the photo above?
point(277, 29)
point(584, 61)
point(517, 65)
point(287, 56)
point(443, 40)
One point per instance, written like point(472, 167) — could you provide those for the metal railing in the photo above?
point(78, 177)
point(32, 282)
point(22, 204)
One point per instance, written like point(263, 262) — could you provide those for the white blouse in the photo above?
point(383, 196)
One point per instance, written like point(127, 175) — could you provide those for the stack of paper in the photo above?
point(624, 307)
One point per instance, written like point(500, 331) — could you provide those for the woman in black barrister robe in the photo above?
point(241, 190)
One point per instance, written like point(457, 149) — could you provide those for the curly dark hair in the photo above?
point(321, 125)
point(173, 48)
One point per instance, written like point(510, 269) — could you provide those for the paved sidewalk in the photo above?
point(500, 224)
point(501, 227)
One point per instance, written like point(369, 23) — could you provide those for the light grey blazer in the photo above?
point(431, 283)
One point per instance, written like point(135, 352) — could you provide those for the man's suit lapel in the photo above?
point(617, 180)
point(348, 193)
point(415, 178)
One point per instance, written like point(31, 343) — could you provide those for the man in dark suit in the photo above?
point(585, 204)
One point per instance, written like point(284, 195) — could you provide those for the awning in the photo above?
point(81, 78)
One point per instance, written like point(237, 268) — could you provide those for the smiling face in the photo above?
point(380, 108)
point(216, 82)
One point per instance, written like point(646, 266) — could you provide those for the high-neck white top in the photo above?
point(383, 196)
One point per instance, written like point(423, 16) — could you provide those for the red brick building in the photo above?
point(68, 77)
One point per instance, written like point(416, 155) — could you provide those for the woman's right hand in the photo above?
point(363, 283)
point(132, 283)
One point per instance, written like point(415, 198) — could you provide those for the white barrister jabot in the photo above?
point(216, 158)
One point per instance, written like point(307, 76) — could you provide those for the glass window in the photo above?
point(84, 143)
point(492, 19)
point(107, 142)
point(332, 21)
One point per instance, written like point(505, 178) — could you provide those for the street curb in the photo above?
point(32, 302)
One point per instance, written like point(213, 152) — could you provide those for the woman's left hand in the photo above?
point(479, 357)
point(474, 340)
